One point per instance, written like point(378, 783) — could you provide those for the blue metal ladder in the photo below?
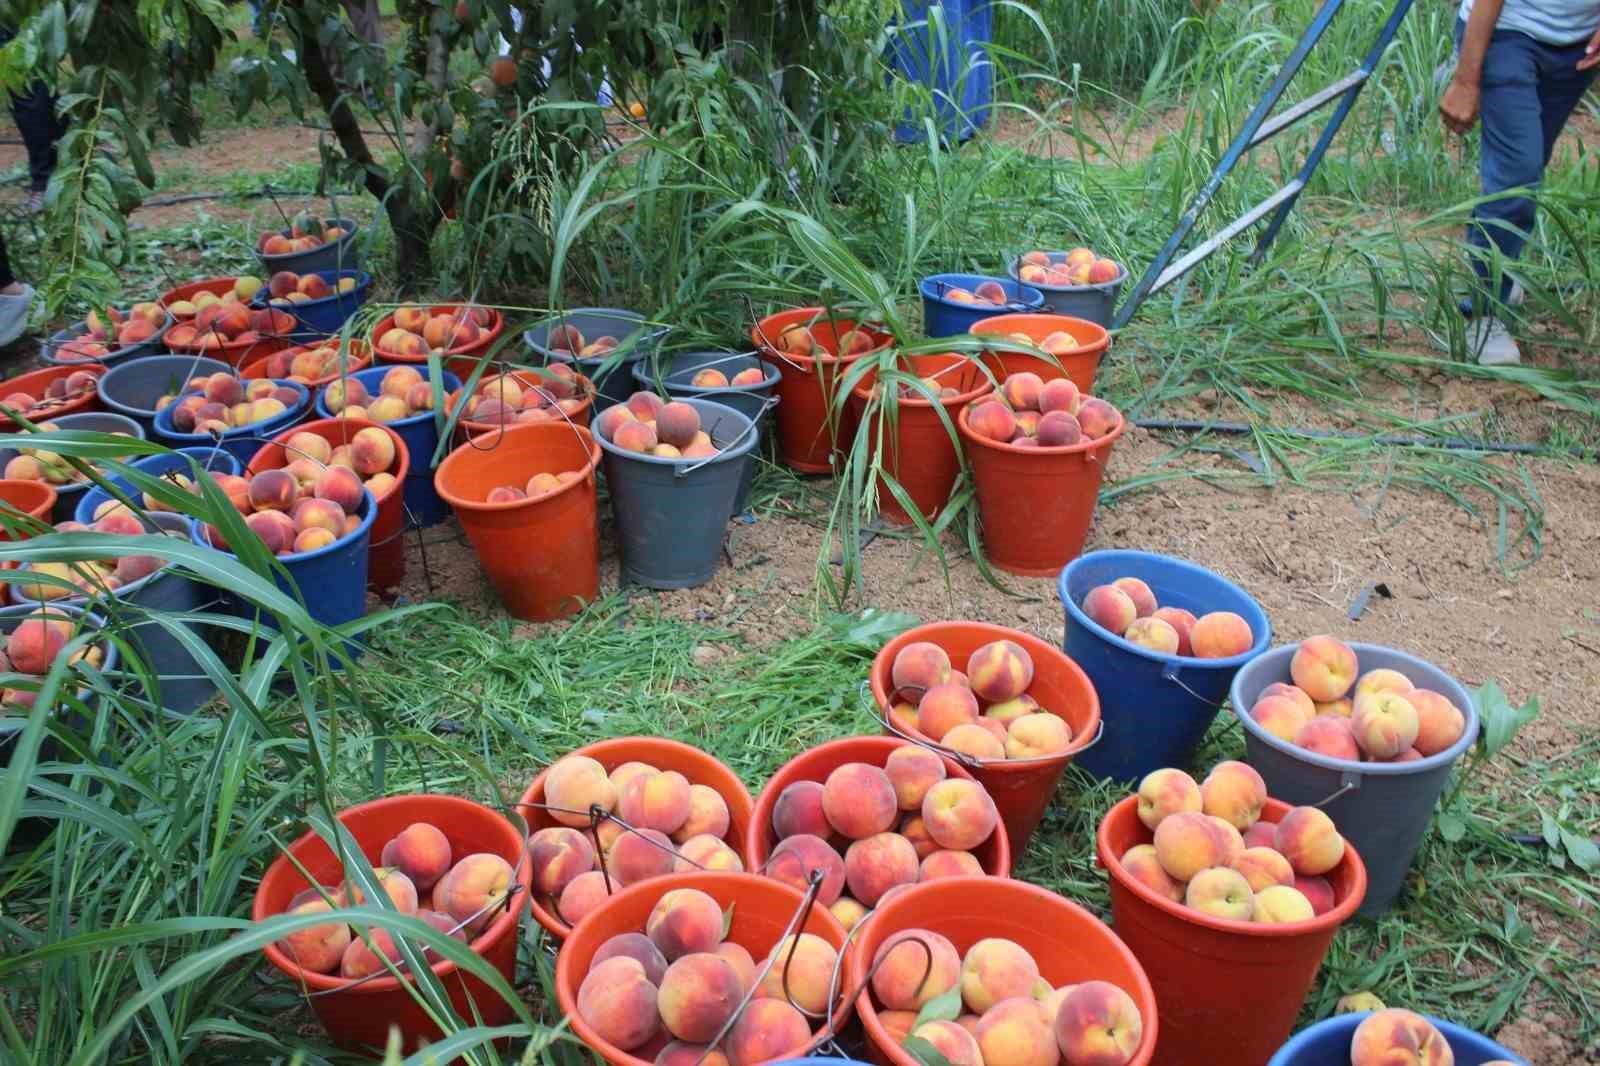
point(1260, 126)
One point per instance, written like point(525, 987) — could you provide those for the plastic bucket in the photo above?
point(807, 435)
point(1228, 991)
point(695, 765)
point(386, 552)
point(341, 254)
point(328, 314)
point(815, 764)
point(759, 911)
point(542, 554)
point(133, 388)
point(49, 350)
point(1384, 809)
point(33, 498)
point(209, 458)
point(242, 441)
point(1069, 944)
point(616, 384)
point(672, 514)
point(35, 382)
point(1095, 303)
point(1156, 707)
point(68, 495)
point(461, 360)
point(944, 317)
point(1035, 504)
point(919, 450)
point(1022, 788)
point(359, 1016)
point(1080, 364)
point(1327, 1043)
point(674, 376)
point(421, 435)
point(358, 357)
point(528, 379)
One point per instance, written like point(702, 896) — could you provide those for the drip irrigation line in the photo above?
point(189, 197)
point(1466, 444)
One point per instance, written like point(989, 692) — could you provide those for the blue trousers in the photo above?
point(1529, 90)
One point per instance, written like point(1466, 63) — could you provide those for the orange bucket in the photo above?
point(817, 763)
point(33, 498)
point(1069, 944)
point(461, 360)
point(919, 450)
point(528, 380)
point(1036, 503)
point(543, 553)
point(1079, 364)
point(694, 764)
point(34, 382)
point(1228, 991)
point(807, 436)
point(358, 1017)
point(386, 551)
point(759, 911)
point(1022, 788)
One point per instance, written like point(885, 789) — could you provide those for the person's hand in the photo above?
point(1459, 105)
point(1591, 53)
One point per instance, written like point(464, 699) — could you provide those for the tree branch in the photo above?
point(437, 68)
point(341, 119)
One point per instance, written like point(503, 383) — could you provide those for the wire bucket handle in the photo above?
point(684, 470)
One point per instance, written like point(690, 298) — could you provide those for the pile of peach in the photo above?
point(1335, 710)
point(906, 391)
point(570, 340)
point(650, 426)
point(898, 824)
point(305, 234)
point(1213, 854)
point(92, 577)
point(1008, 1014)
point(58, 392)
point(1128, 608)
point(985, 712)
point(537, 486)
point(1077, 267)
point(402, 392)
point(219, 402)
point(286, 288)
point(308, 363)
point(799, 340)
point(419, 330)
point(291, 516)
point(712, 378)
point(370, 455)
point(664, 993)
point(988, 292)
point(1394, 1035)
point(210, 320)
point(500, 399)
point(1034, 413)
point(667, 825)
point(464, 896)
point(116, 329)
point(34, 646)
point(41, 464)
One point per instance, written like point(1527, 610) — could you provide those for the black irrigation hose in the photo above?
point(1184, 425)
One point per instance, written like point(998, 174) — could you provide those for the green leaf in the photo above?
point(1584, 852)
point(923, 1051)
point(1501, 721)
point(944, 1008)
point(727, 921)
point(1452, 827)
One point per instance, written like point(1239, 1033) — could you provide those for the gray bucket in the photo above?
point(342, 254)
point(132, 388)
point(1383, 809)
point(672, 514)
point(68, 495)
point(635, 340)
point(61, 337)
point(1095, 303)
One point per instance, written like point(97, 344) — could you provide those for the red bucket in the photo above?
point(1079, 363)
point(461, 360)
point(811, 424)
point(35, 382)
point(1228, 991)
point(234, 353)
point(33, 498)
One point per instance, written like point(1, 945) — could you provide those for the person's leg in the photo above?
point(365, 18)
point(1560, 89)
point(35, 113)
point(1511, 157)
point(15, 300)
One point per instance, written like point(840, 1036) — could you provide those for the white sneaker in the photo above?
point(14, 314)
point(1491, 343)
point(1517, 296)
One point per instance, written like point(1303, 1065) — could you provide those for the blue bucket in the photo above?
point(421, 434)
point(132, 388)
point(333, 580)
point(321, 318)
point(68, 495)
point(1156, 708)
point(1328, 1044)
point(942, 317)
point(211, 458)
point(242, 441)
point(49, 347)
point(342, 253)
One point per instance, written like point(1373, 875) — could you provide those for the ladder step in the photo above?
point(1226, 234)
point(1282, 121)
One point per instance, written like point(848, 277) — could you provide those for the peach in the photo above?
point(1110, 608)
point(1000, 670)
point(796, 857)
point(362, 959)
point(914, 829)
point(341, 485)
point(796, 340)
point(1009, 711)
point(974, 740)
point(1059, 395)
point(34, 645)
point(573, 785)
point(1323, 667)
point(583, 894)
point(1291, 692)
point(1440, 723)
point(1281, 716)
point(1382, 680)
point(1022, 390)
point(1384, 723)
point(1360, 1003)
point(1280, 903)
point(949, 864)
point(274, 490)
point(1016, 1032)
point(677, 1053)
point(505, 494)
point(914, 966)
point(798, 809)
point(994, 420)
point(1220, 635)
point(1330, 735)
point(1221, 892)
point(919, 666)
point(558, 854)
point(1141, 863)
point(767, 1029)
point(943, 707)
point(1260, 835)
point(802, 972)
point(1318, 891)
point(1342, 708)
point(1057, 429)
point(1099, 1024)
point(957, 1046)
point(995, 969)
point(1166, 792)
point(628, 771)
point(684, 921)
point(1234, 792)
point(619, 1003)
point(475, 890)
point(635, 436)
point(859, 801)
point(1097, 417)
point(372, 450)
point(992, 291)
point(698, 996)
point(1308, 839)
point(656, 801)
point(1144, 600)
point(1035, 736)
point(421, 852)
point(855, 342)
point(275, 529)
point(677, 423)
point(1232, 840)
point(740, 960)
point(848, 912)
point(638, 855)
point(1263, 866)
point(707, 852)
point(959, 814)
point(319, 948)
point(634, 946)
point(708, 813)
point(709, 378)
point(899, 1023)
point(313, 513)
point(1153, 633)
point(1187, 842)
point(875, 864)
point(1394, 1037)
point(313, 539)
point(912, 770)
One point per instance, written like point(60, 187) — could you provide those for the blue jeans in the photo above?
point(1529, 90)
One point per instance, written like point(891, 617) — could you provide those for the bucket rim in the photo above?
point(264, 428)
point(67, 334)
point(146, 363)
point(408, 421)
point(1006, 448)
point(1100, 336)
point(746, 436)
point(761, 331)
point(493, 330)
point(30, 485)
point(368, 512)
point(1341, 1027)
point(862, 390)
point(1014, 264)
point(1347, 767)
point(465, 452)
point(770, 375)
point(203, 455)
point(1258, 647)
point(350, 226)
point(179, 528)
point(1027, 294)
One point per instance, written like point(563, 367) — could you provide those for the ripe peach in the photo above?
point(1140, 863)
point(992, 291)
point(319, 948)
point(275, 529)
point(875, 864)
point(1000, 670)
point(1342, 708)
point(684, 921)
point(1097, 417)
point(959, 814)
point(1110, 608)
point(955, 1044)
point(974, 740)
point(994, 420)
point(362, 959)
point(698, 995)
point(855, 342)
point(848, 911)
point(1187, 842)
point(709, 378)
point(859, 800)
point(943, 707)
point(1318, 891)
point(1281, 716)
point(1395, 1037)
point(678, 1053)
point(1384, 723)
point(1009, 711)
point(372, 450)
point(1440, 723)
point(343, 393)
point(912, 770)
point(1166, 792)
point(1323, 667)
point(1059, 395)
point(1098, 1023)
point(1017, 1032)
point(340, 485)
point(582, 895)
point(558, 854)
point(1058, 429)
point(1144, 600)
point(740, 960)
point(1280, 903)
point(1234, 792)
point(475, 890)
point(505, 494)
point(1330, 735)
point(767, 1029)
point(747, 377)
point(310, 446)
point(1153, 633)
point(807, 965)
point(541, 483)
point(944, 863)
point(1263, 866)
point(796, 857)
point(677, 423)
point(799, 810)
point(1310, 841)
point(1221, 892)
point(1219, 635)
point(1027, 425)
point(34, 645)
point(1022, 391)
point(1382, 680)
point(273, 490)
point(655, 801)
point(420, 852)
point(995, 969)
point(1034, 736)
point(635, 436)
point(634, 946)
point(573, 785)
point(914, 966)
point(708, 813)
point(618, 1001)
point(1260, 835)
point(312, 539)
point(919, 666)
point(914, 829)
point(638, 855)
point(707, 852)
point(1290, 692)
